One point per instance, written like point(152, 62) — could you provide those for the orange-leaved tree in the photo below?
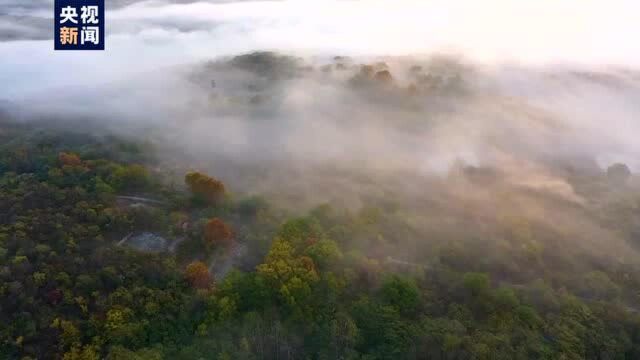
point(218, 233)
point(206, 187)
point(69, 159)
point(198, 275)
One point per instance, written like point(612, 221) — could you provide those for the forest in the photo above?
point(328, 283)
point(321, 236)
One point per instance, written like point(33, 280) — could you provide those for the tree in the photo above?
point(198, 275)
point(402, 294)
point(121, 353)
point(69, 333)
point(217, 233)
point(87, 352)
point(618, 173)
point(207, 188)
point(324, 253)
point(598, 285)
point(476, 283)
point(384, 76)
point(131, 177)
point(301, 232)
point(69, 159)
point(290, 275)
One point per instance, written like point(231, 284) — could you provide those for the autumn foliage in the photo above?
point(69, 159)
point(216, 232)
point(198, 275)
point(210, 189)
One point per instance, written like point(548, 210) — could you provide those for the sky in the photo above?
point(147, 35)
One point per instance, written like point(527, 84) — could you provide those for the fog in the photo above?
point(525, 91)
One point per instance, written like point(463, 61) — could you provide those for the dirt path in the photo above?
point(125, 239)
point(140, 199)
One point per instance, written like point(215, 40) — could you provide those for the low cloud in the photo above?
point(526, 95)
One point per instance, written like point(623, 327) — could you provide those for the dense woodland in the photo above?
point(329, 283)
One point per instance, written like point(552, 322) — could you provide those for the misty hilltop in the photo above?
point(434, 132)
point(351, 116)
point(268, 205)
